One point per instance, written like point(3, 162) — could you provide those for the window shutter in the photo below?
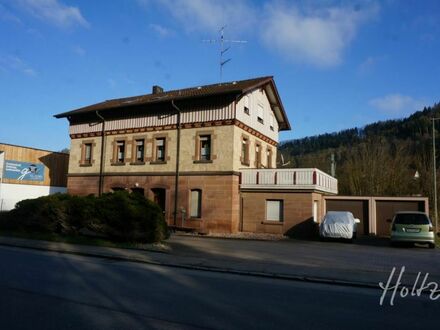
point(274, 210)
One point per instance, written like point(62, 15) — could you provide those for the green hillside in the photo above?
point(378, 159)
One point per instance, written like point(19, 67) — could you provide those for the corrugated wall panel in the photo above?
point(201, 114)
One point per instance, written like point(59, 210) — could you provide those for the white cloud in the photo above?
point(370, 63)
point(316, 33)
point(6, 15)
point(160, 30)
point(15, 63)
point(315, 36)
point(54, 12)
point(78, 50)
point(210, 15)
point(396, 104)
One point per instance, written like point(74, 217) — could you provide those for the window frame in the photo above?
point(163, 158)
point(135, 158)
point(83, 161)
point(198, 214)
point(280, 211)
point(260, 113)
point(209, 141)
point(259, 147)
point(197, 157)
point(244, 156)
point(123, 152)
point(269, 157)
point(246, 109)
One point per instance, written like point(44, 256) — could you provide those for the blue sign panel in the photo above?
point(20, 171)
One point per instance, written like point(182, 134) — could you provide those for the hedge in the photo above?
point(119, 216)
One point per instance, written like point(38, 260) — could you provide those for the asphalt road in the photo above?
point(43, 290)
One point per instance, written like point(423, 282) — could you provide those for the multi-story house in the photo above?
point(215, 145)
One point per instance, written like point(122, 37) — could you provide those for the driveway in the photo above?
point(368, 260)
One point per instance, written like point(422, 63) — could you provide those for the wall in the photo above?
point(257, 97)
point(10, 194)
point(55, 164)
point(221, 145)
point(297, 213)
point(238, 140)
point(220, 196)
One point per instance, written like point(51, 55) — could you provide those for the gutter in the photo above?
point(101, 164)
point(176, 184)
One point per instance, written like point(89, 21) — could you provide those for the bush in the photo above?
point(120, 216)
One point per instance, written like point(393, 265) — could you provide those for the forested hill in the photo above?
point(378, 159)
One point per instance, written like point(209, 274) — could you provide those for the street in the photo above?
point(46, 290)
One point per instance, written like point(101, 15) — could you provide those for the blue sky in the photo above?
point(337, 64)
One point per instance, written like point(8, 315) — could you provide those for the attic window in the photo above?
point(271, 122)
point(260, 114)
point(246, 105)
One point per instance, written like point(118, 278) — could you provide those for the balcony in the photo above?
point(288, 179)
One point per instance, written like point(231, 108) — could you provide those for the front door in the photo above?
point(159, 197)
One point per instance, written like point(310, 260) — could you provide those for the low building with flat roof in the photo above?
point(27, 172)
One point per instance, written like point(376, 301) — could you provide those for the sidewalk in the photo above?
point(290, 260)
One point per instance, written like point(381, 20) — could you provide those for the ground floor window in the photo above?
point(274, 210)
point(315, 211)
point(196, 203)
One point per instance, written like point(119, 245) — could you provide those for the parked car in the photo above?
point(338, 224)
point(412, 227)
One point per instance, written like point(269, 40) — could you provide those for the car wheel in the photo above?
point(431, 245)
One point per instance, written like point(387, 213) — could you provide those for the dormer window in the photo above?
point(260, 114)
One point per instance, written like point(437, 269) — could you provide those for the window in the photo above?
point(258, 156)
point(160, 149)
point(315, 211)
point(245, 151)
point(246, 105)
point(87, 153)
point(205, 147)
point(274, 210)
point(196, 203)
point(260, 114)
point(120, 151)
point(271, 121)
point(269, 158)
point(140, 150)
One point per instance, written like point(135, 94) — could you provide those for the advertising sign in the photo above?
point(20, 171)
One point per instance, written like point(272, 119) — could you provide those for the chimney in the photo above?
point(157, 89)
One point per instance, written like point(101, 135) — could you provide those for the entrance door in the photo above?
point(159, 197)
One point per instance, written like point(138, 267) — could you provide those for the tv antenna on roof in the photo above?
point(223, 50)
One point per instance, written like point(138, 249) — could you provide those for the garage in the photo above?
point(373, 212)
point(359, 208)
point(385, 209)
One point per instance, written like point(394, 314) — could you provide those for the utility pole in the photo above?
point(223, 50)
point(333, 165)
point(434, 167)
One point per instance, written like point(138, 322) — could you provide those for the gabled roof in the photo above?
point(233, 87)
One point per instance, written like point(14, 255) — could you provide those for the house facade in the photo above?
point(215, 145)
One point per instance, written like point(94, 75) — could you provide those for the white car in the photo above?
point(338, 224)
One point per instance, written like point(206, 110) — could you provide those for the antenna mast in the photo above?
point(223, 50)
